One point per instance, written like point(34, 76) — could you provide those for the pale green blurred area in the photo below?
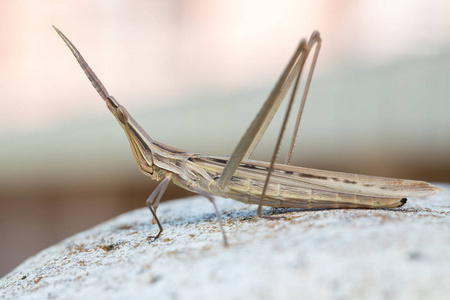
point(397, 114)
point(194, 74)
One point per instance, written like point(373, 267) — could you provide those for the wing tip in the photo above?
point(424, 189)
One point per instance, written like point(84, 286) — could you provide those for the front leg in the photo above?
point(153, 201)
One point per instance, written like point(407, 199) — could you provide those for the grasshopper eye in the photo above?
point(122, 114)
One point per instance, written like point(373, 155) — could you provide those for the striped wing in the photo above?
point(292, 186)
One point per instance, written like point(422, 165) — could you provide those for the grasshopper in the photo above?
point(250, 181)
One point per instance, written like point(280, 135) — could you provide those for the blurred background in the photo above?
point(194, 74)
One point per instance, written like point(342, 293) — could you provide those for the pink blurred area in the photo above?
point(158, 54)
point(166, 49)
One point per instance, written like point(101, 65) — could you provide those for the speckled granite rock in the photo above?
point(322, 254)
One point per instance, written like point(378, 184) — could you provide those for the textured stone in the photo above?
point(399, 253)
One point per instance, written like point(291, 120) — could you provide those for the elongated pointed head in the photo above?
point(140, 142)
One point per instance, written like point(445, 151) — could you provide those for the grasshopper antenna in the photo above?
point(98, 85)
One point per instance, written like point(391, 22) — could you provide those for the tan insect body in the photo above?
point(249, 181)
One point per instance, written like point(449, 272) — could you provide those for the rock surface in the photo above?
point(399, 253)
